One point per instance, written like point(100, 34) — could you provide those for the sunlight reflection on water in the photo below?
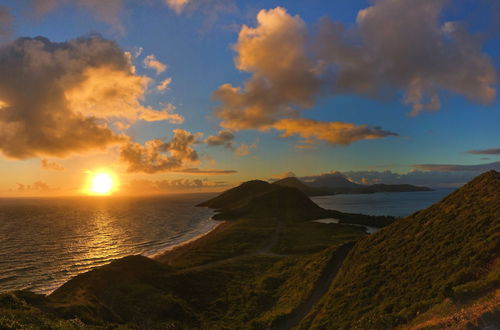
point(44, 242)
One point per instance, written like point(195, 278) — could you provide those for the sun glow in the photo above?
point(101, 183)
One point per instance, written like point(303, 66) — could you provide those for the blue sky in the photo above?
point(196, 45)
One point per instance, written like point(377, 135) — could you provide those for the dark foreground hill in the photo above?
point(446, 254)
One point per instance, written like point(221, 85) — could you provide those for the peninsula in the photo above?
point(269, 265)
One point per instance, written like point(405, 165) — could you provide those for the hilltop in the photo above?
point(270, 268)
point(336, 183)
point(259, 198)
point(447, 253)
point(294, 182)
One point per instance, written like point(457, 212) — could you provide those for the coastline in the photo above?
point(158, 256)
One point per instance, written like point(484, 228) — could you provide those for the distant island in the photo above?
point(338, 184)
point(270, 265)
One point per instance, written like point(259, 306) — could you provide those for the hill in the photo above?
point(336, 183)
point(259, 198)
point(395, 188)
point(293, 182)
point(446, 253)
point(238, 196)
point(332, 181)
point(287, 202)
point(270, 269)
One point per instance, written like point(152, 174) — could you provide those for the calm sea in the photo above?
point(397, 204)
point(44, 242)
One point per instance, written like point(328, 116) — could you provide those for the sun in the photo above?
point(101, 183)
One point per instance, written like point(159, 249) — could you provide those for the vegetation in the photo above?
point(436, 268)
point(250, 272)
point(448, 251)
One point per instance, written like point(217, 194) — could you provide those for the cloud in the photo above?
point(494, 151)
point(6, 22)
point(226, 138)
point(107, 11)
point(402, 46)
point(244, 149)
point(151, 62)
point(222, 138)
point(284, 79)
point(164, 85)
point(165, 186)
point(158, 156)
point(458, 168)
point(197, 171)
point(210, 8)
point(58, 98)
point(48, 165)
point(337, 133)
point(177, 5)
point(282, 74)
point(395, 47)
point(36, 187)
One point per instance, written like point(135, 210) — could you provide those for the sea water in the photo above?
point(46, 241)
point(398, 204)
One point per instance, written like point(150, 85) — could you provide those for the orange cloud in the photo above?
point(197, 171)
point(151, 62)
point(34, 188)
point(337, 133)
point(177, 5)
point(165, 186)
point(244, 149)
point(159, 156)
point(58, 98)
point(223, 138)
point(394, 47)
point(164, 85)
point(48, 165)
point(282, 74)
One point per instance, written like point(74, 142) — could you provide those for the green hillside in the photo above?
point(268, 268)
point(448, 251)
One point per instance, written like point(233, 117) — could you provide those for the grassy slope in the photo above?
point(249, 273)
point(254, 271)
point(446, 251)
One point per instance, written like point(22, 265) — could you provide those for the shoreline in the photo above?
point(158, 255)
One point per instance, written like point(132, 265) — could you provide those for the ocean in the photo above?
point(46, 241)
point(398, 204)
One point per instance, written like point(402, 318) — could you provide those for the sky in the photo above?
point(199, 95)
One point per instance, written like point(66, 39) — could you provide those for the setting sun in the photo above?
point(101, 183)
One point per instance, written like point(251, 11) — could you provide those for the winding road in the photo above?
point(320, 287)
